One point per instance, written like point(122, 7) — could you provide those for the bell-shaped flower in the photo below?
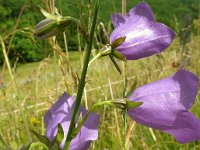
point(165, 106)
point(61, 113)
point(143, 36)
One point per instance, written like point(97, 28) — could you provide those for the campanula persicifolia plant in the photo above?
point(162, 104)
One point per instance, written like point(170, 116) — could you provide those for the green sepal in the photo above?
point(133, 87)
point(56, 11)
point(118, 42)
point(114, 63)
point(118, 55)
point(59, 136)
point(55, 145)
point(120, 103)
point(48, 15)
point(26, 146)
point(125, 104)
point(42, 138)
point(131, 104)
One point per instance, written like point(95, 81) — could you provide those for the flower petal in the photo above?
point(144, 37)
point(142, 10)
point(186, 127)
point(61, 112)
point(89, 129)
point(117, 19)
point(163, 99)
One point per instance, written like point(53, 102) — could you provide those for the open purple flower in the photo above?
point(165, 106)
point(61, 113)
point(144, 36)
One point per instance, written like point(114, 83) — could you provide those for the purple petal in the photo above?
point(186, 127)
point(144, 37)
point(163, 99)
point(117, 19)
point(61, 112)
point(142, 10)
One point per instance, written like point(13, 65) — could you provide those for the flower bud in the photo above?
point(52, 25)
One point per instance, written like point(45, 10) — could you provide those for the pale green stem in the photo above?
point(8, 65)
point(94, 58)
point(125, 127)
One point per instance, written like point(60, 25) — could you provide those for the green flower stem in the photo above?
point(82, 81)
point(94, 58)
point(125, 127)
point(80, 124)
point(106, 50)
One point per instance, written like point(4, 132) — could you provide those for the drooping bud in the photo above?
point(52, 25)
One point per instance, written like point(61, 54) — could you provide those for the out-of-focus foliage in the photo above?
point(26, 48)
point(23, 45)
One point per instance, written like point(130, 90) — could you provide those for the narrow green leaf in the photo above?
point(115, 64)
point(26, 146)
point(48, 15)
point(133, 87)
point(42, 138)
point(118, 42)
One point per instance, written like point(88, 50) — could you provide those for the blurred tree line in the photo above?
point(24, 47)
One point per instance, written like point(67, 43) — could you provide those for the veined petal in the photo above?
point(163, 99)
point(144, 37)
point(61, 113)
point(186, 127)
point(143, 41)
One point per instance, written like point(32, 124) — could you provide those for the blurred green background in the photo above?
point(174, 13)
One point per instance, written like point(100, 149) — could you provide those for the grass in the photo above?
point(40, 84)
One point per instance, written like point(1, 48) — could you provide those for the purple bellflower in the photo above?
point(61, 113)
point(165, 106)
point(144, 36)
